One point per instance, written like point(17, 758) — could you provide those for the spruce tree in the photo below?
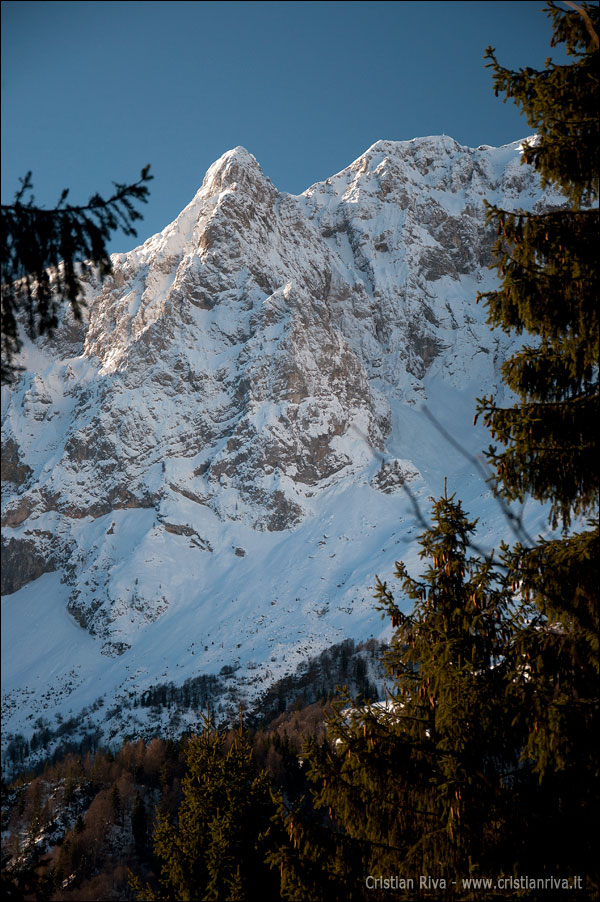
point(425, 785)
point(217, 848)
point(45, 254)
point(547, 262)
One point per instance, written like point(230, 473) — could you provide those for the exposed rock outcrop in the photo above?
point(247, 358)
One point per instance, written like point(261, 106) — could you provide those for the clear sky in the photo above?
point(92, 91)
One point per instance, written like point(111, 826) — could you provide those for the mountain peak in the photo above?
point(236, 166)
point(445, 141)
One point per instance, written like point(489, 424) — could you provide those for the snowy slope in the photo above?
point(209, 470)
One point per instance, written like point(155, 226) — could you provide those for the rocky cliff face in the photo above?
point(240, 367)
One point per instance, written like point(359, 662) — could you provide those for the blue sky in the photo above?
point(91, 92)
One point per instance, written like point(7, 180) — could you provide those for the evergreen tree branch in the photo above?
point(43, 250)
point(588, 23)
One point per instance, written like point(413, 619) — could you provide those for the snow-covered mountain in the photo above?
point(208, 472)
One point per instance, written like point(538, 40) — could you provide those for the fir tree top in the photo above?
point(560, 103)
